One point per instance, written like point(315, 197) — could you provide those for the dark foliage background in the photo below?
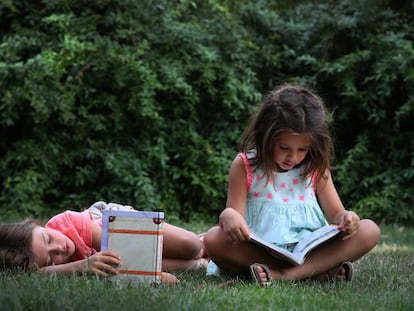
point(143, 102)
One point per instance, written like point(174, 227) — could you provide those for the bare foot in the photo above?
point(262, 275)
point(168, 278)
point(340, 273)
point(197, 264)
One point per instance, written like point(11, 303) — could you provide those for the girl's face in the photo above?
point(51, 247)
point(291, 149)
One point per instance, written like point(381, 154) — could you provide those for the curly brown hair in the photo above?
point(296, 109)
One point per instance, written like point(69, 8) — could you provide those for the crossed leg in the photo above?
point(182, 250)
point(237, 258)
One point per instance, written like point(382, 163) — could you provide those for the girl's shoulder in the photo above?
point(245, 158)
point(68, 218)
point(249, 154)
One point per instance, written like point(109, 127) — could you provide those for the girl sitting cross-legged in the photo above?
point(280, 189)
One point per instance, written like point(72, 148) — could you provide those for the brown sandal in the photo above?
point(349, 271)
point(256, 276)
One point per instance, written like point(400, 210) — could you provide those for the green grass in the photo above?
point(383, 280)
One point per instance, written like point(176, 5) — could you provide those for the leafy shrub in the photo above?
point(143, 102)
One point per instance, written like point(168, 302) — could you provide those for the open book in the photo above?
point(302, 248)
point(137, 237)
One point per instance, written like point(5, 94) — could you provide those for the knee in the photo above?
point(211, 240)
point(371, 232)
point(191, 243)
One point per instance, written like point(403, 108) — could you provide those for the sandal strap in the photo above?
point(256, 277)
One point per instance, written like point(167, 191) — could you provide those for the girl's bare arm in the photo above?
point(102, 263)
point(334, 210)
point(232, 218)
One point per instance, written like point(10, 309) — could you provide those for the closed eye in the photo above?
point(50, 261)
point(47, 238)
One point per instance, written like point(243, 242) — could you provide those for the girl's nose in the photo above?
point(292, 156)
point(56, 248)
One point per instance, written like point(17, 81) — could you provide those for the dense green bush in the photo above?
point(143, 102)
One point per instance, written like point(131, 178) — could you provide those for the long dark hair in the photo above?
point(296, 109)
point(15, 245)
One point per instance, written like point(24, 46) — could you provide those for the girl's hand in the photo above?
point(103, 263)
point(234, 225)
point(349, 223)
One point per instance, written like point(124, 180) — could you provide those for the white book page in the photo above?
point(277, 251)
point(315, 238)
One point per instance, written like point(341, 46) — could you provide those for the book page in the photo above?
point(276, 251)
point(315, 238)
point(303, 247)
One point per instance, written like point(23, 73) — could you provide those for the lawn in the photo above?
point(383, 280)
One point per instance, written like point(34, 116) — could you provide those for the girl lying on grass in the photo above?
point(70, 243)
